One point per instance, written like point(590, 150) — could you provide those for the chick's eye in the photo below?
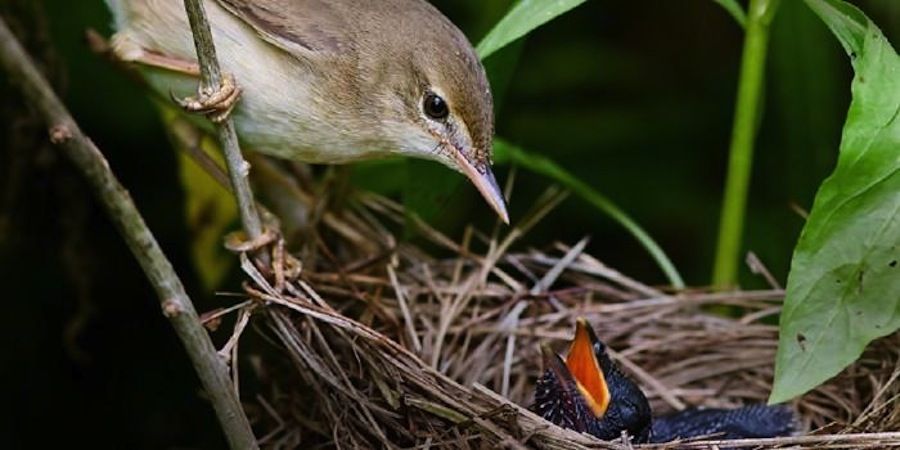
point(435, 107)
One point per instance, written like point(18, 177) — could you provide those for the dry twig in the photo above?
point(414, 353)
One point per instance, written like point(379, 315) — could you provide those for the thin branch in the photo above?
point(211, 81)
point(176, 305)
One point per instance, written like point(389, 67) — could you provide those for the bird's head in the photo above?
point(587, 392)
point(439, 98)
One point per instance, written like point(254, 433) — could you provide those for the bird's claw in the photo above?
point(239, 243)
point(217, 105)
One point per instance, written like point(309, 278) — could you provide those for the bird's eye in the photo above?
point(435, 107)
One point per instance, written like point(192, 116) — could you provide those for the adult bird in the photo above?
point(328, 81)
point(587, 392)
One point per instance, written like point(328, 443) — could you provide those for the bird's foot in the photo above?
point(239, 243)
point(215, 104)
point(280, 269)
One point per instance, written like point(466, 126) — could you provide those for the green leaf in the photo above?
point(734, 8)
point(525, 16)
point(506, 152)
point(846, 21)
point(844, 286)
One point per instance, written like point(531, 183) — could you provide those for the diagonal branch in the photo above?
point(211, 80)
point(176, 305)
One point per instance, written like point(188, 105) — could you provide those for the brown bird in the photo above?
point(328, 81)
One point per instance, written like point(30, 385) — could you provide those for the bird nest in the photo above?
point(379, 343)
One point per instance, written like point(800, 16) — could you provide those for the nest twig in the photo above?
point(387, 346)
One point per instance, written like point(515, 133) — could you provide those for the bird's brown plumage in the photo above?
point(315, 29)
point(332, 81)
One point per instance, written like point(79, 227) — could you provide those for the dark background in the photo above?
point(635, 98)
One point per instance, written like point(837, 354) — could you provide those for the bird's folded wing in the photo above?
point(296, 26)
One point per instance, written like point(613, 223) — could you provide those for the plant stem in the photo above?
point(176, 305)
point(746, 120)
point(210, 81)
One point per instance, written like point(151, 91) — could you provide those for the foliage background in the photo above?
point(635, 98)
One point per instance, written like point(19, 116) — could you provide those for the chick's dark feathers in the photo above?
point(752, 421)
point(559, 400)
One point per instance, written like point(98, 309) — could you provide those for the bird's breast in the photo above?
point(284, 110)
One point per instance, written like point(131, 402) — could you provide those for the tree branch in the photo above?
point(211, 81)
point(176, 305)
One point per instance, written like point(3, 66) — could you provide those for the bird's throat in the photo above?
point(585, 368)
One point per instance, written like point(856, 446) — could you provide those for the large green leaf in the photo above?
point(844, 286)
point(525, 16)
point(847, 22)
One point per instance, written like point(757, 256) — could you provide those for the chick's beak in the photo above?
point(486, 184)
point(585, 368)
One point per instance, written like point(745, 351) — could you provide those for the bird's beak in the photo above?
point(486, 184)
point(585, 368)
point(553, 362)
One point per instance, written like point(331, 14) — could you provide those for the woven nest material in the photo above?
point(383, 346)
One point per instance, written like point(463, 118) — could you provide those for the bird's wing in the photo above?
point(751, 421)
point(299, 27)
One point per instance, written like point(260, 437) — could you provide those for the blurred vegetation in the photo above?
point(635, 99)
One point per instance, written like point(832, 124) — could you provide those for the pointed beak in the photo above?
point(584, 366)
point(550, 358)
point(486, 184)
point(555, 364)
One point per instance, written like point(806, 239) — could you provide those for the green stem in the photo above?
point(746, 119)
point(211, 81)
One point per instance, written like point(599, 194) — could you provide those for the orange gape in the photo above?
point(584, 367)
